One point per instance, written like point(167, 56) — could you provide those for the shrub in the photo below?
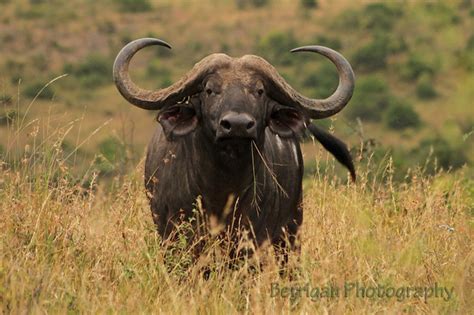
point(94, 71)
point(401, 116)
point(112, 155)
point(424, 88)
point(371, 98)
point(193, 46)
point(134, 5)
point(323, 81)
point(443, 14)
point(276, 46)
point(309, 4)
point(466, 60)
point(32, 89)
point(330, 42)
point(40, 61)
point(162, 52)
point(31, 12)
point(242, 4)
point(447, 155)
point(5, 100)
point(380, 16)
point(415, 67)
point(7, 117)
point(112, 149)
point(465, 125)
point(16, 69)
point(349, 19)
point(156, 70)
point(372, 56)
point(93, 80)
point(259, 3)
point(107, 27)
point(470, 44)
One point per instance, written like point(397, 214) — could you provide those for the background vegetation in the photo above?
point(76, 230)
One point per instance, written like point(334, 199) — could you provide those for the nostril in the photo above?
point(250, 125)
point(225, 124)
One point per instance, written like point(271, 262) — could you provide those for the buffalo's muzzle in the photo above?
point(237, 125)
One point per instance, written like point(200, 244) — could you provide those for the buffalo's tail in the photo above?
point(335, 146)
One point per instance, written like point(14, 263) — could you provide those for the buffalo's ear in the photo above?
point(178, 120)
point(286, 121)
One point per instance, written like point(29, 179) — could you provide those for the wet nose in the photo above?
point(237, 125)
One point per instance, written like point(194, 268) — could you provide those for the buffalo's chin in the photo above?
point(234, 148)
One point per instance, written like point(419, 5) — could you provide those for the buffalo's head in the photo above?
point(232, 99)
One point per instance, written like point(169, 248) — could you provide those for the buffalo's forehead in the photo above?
point(237, 75)
point(240, 71)
point(246, 70)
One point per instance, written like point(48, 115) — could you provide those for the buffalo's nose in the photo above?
point(237, 125)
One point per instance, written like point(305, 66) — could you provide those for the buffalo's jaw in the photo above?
point(234, 148)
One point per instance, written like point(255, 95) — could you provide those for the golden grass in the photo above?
point(95, 250)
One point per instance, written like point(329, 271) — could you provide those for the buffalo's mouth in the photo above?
point(235, 147)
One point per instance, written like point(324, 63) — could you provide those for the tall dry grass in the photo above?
point(73, 244)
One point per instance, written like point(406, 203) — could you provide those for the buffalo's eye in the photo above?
point(208, 91)
point(260, 92)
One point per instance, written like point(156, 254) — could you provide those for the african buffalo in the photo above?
point(231, 127)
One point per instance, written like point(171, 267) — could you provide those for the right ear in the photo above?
point(179, 119)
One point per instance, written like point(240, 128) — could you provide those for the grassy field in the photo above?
point(76, 232)
point(71, 247)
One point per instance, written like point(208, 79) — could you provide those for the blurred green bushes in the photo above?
point(371, 97)
point(133, 5)
point(416, 66)
point(446, 154)
point(275, 47)
point(328, 41)
point(323, 81)
point(94, 71)
point(373, 17)
point(425, 87)
point(32, 89)
point(5, 100)
point(401, 115)
point(112, 157)
point(309, 4)
point(157, 71)
point(381, 16)
point(243, 4)
point(7, 117)
point(374, 55)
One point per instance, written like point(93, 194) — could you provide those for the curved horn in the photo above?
point(137, 96)
point(188, 85)
point(282, 92)
point(338, 100)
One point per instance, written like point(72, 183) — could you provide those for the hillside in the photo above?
point(414, 67)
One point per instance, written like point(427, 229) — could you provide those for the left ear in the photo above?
point(286, 121)
point(179, 119)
